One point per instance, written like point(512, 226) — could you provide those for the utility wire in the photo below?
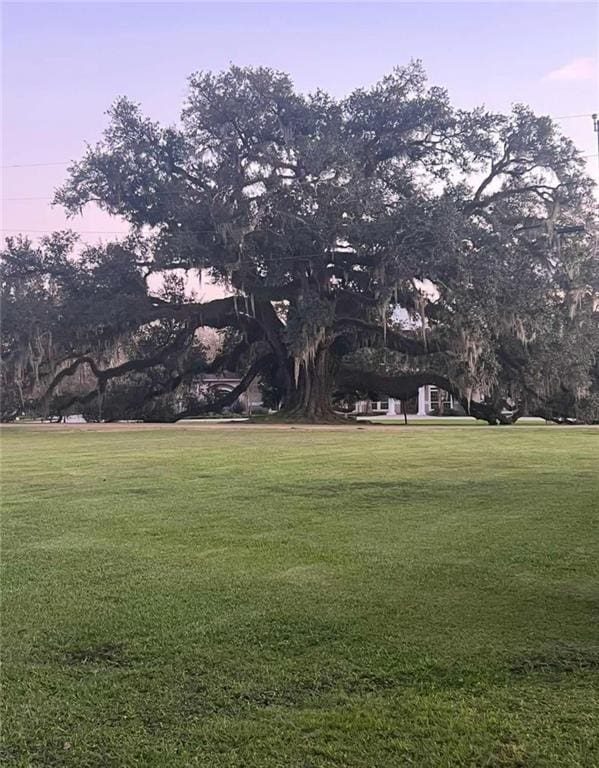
point(162, 194)
point(36, 165)
point(571, 117)
point(78, 232)
point(181, 231)
point(269, 262)
point(67, 162)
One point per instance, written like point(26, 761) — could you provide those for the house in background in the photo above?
point(430, 401)
point(210, 385)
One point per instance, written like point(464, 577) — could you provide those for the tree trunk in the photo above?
point(309, 397)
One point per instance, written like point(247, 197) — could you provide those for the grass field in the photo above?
point(295, 598)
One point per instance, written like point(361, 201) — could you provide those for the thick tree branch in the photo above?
point(405, 386)
point(391, 339)
point(228, 398)
point(401, 386)
point(136, 364)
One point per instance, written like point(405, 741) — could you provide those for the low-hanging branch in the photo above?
point(387, 337)
point(103, 375)
point(228, 398)
point(351, 380)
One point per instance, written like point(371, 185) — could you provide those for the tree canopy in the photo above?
point(373, 243)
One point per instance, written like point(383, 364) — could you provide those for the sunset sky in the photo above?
point(64, 63)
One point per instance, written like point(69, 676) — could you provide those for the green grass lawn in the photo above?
point(245, 596)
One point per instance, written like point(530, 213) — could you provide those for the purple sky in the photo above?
point(64, 63)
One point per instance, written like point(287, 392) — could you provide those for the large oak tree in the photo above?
point(368, 244)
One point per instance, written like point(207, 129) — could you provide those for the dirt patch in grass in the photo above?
point(508, 755)
point(203, 697)
point(560, 660)
point(107, 655)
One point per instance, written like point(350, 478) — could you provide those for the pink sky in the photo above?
point(64, 63)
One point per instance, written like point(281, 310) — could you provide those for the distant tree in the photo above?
point(387, 220)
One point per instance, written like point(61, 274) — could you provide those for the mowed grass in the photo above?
point(257, 597)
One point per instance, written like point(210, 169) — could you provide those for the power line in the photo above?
point(160, 194)
point(36, 165)
point(151, 195)
point(270, 261)
point(571, 117)
point(79, 232)
point(67, 162)
point(275, 260)
point(103, 231)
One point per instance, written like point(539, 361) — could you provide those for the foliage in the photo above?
point(329, 219)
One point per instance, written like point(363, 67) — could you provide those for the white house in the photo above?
point(426, 404)
point(216, 384)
